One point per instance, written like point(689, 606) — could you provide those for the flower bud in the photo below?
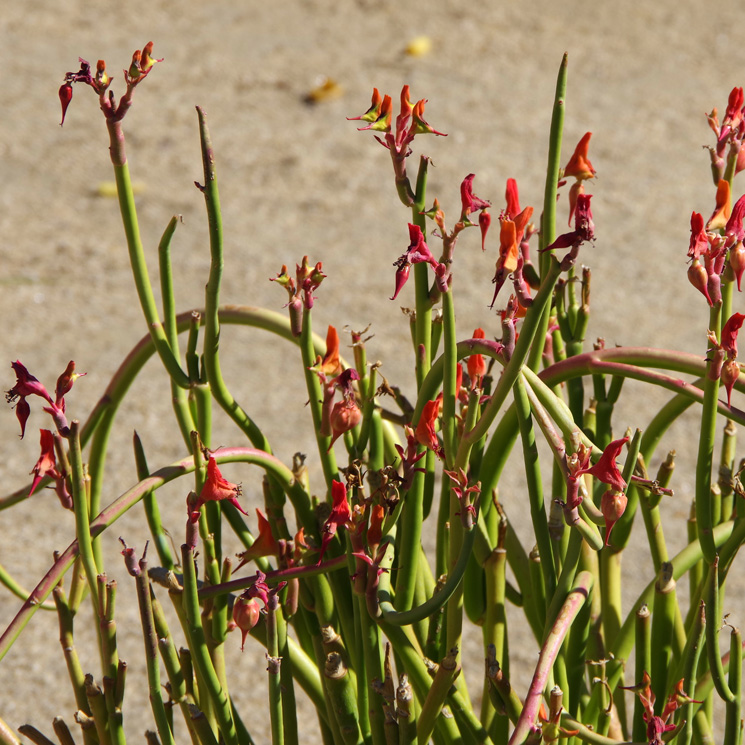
point(345, 415)
point(484, 223)
point(65, 96)
point(730, 374)
point(246, 612)
point(612, 505)
point(698, 277)
point(737, 261)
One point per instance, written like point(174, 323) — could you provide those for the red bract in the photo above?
point(47, 463)
point(341, 515)
point(584, 231)
point(730, 331)
point(606, 469)
point(215, 489)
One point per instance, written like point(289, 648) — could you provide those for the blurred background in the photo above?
point(296, 178)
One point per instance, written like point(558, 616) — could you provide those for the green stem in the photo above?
point(705, 459)
point(548, 222)
point(151, 653)
point(200, 652)
point(82, 517)
point(212, 296)
point(141, 277)
point(534, 486)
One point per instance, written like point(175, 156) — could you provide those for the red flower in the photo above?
point(341, 515)
point(64, 384)
point(47, 463)
point(734, 229)
point(469, 201)
point(699, 242)
point(264, 545)
point(417, 253)
point(215, 489)
point(484, 225)
point(513, 199)
point(425, 430)
point(26, 385)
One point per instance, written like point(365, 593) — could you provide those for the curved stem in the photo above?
point(119, 506)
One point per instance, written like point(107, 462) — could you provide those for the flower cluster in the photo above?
point(246, 609)
point(410, 121)
point(723, 354)
point(337, 418)
point(716, 244)
point(515, 231)
point(27, 385)
point(614, 500)
point(728, 153)
point(307, 280)
point(580, 168)
point(657, 726)
point(142, 62)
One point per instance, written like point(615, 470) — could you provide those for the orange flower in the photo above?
point(425, 430)
point(476, 364)
point(264, 545)
point(331, 364)
point(723, 208)
point(579, 165)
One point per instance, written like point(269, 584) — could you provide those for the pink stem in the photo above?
point(575, 599)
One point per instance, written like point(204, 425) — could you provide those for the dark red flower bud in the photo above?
point(65, 96)
point(484, 223)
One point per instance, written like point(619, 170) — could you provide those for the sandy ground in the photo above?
point(298, 179)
